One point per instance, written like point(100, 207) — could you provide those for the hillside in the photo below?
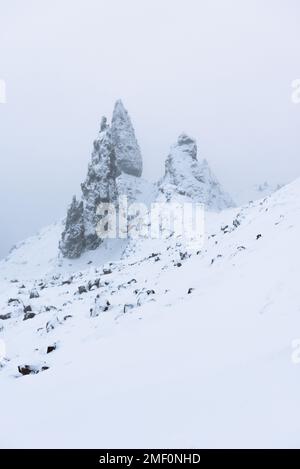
point(153, 346)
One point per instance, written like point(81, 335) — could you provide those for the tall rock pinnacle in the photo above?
point(186, 176)
point(127, 150)
point(100, 184)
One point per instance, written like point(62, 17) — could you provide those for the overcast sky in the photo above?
point(220, 70)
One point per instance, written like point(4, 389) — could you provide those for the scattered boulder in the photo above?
point(225, 229)
point(101, 305)
point(183, 255)
point(50, 308)
point(93, 284)
point(82, 289)
point(68, 281)
point(6, 316)
point(51, 348)
point(145, 296)
point(50, 325)
point(133, 280)
point(128, 307)
point(31, 369)
point(13, 301)
point(28, 315)
point(107, 271)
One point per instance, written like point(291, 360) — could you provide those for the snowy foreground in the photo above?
point(190, 351)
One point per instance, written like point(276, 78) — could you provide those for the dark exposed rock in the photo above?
point(72, 242)
point(28, 315)
point(31, 369)
point(6, 316)
point(92, 284)
point(13, 300)
point(128, 307)
point(50, 308)
point(51, 348)
point(67, 282)
point(133, 280)
point(107, 271)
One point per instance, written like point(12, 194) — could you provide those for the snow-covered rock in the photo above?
point(72, 242)
point(100, 184)
point(127, 150)
point(186, 176)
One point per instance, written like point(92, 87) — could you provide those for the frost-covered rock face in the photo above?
point(187, 177)
point(72, 242)
point(100, 184)
point(128, 153)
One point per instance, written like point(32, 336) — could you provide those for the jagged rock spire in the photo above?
point(100, 184)
point(128, 154)
point(186, 176)
point(72, 242)
point(115, 151)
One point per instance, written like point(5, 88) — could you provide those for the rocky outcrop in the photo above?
point(115, 152)
point(100, 184)
point(127, 150)
point(187, 177)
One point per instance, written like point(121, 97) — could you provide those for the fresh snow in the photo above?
point(160, 367)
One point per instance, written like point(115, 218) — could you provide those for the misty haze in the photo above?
point(123, 322)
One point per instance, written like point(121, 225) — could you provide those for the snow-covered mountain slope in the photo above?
point(186, 176)
point(157, 346)
point(255, 192)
